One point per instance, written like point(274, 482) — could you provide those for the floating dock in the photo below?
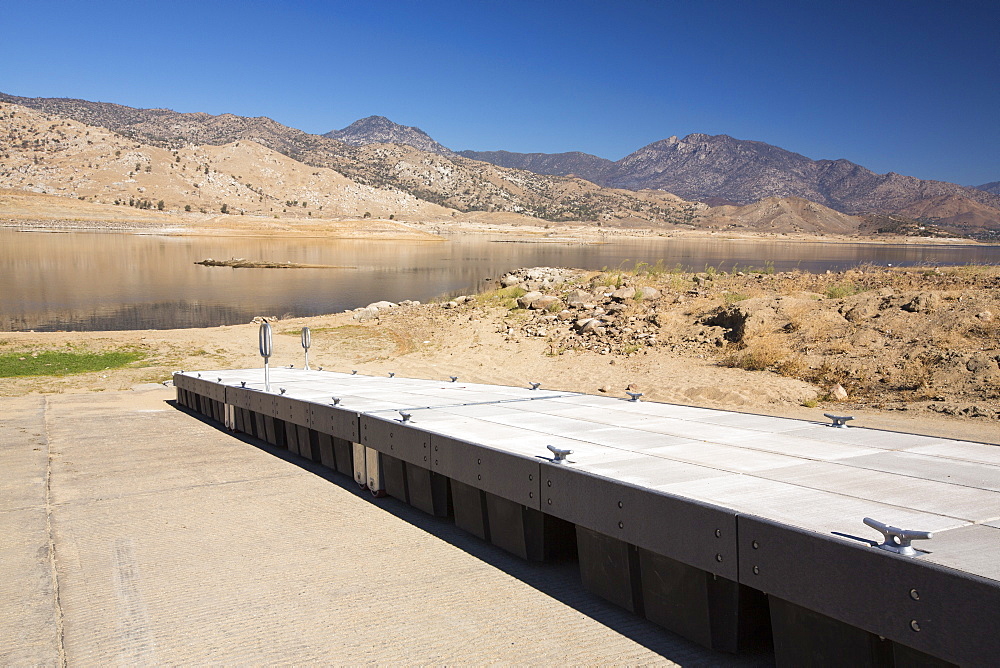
point(835, 545)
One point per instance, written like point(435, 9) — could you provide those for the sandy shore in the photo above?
point(31, 211)
point(430, 341)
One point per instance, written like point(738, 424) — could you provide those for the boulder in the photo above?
point(925, 302)
point(544, 302)
point(509, 280)
point(586, 325)
point(579, 298)
point(528, 300)
point(838, 393)
point(649, 292)
point(623, 294)
point(366, 313)
point(381, 306)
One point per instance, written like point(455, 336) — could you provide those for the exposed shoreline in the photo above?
point(670, 347)
point(41, 213)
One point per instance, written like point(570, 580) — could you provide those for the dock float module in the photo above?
point(835, 544)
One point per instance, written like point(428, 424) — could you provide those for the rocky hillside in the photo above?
point(906, 339)
point(720, 169)
point(455, 182)
point(991, 187)
point(575, 163)
point(50, 154)
point(378, 154)
point(782, 215)
point(380, 130)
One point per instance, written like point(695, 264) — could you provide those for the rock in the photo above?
point(450, 304)
point(649, 292)
point(981, 362)
point(587, 325)
point(862, 310)
point(528, 300)
point(579, 298)
point(565, 315)
point(381, 306)
point(985, 316)
point(366, 313)
point(509, 280)
point(545, 302)
point(838, 393)
point(925, 302)
point(622, 294)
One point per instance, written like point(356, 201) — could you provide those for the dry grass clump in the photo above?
point(501, 297)
point(760, 354)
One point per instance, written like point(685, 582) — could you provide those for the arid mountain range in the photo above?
point(401, 170)
point(380, 130)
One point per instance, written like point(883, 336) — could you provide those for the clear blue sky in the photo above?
point(907, 86)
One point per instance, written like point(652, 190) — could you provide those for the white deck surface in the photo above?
point(804, 474)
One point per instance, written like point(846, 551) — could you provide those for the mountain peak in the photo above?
point(381, 130)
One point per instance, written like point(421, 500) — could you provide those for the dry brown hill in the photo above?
point(955, 212)
point(466, 185)
point(782, 215)
point(53, 155)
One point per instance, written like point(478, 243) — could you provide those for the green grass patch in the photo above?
point(58, 363)
point(501, 297)
point(733, 297)
point(841, 290)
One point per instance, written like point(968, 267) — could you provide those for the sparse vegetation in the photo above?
point(841, 290)
point(62, 363)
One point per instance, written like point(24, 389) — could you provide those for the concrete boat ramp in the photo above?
point(742, 533)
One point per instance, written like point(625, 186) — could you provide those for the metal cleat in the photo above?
point(336, 401)
point(839, 421)
point(391, 374)
point(534, 386)
point(282, 390)
point(354, 372)
point(635, 396)
point(454, 379)
point(406, 416)
point(898, 540)
point(559, 454)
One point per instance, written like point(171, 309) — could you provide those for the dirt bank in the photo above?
point(914, 350)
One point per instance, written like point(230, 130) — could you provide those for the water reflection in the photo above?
point(88, 281)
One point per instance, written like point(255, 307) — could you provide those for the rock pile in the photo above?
point(609, 319)
point(372, 310)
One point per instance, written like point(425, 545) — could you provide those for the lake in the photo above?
point(109, 281)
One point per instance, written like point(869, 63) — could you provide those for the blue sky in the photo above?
point(911, 87)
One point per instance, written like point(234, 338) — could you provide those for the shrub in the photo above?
point(841, 290)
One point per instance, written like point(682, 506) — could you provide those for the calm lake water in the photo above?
point(107, 281)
